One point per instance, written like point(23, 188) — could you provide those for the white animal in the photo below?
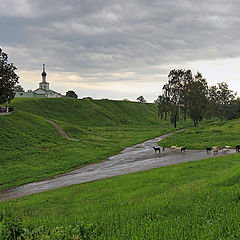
point(178, 148)
point(215, 149)
point(225, 150)
point(227, 147)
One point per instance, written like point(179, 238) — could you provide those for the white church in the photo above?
point(42, 91)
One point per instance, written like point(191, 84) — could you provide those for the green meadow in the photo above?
point(209, 134)
point(32, 149)
point(194, 200)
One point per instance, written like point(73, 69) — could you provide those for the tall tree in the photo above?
point(212, 107)
point(8, 78)
point(186, 79)
point(174, 91)
point(196, 98)
point(164, 106)
point(225, 98)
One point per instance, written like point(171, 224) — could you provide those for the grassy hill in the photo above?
point(32, 149)
point(90, 112)
point(195, 200)
point(226, 133)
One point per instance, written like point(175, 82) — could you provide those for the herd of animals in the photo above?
point(214, 149)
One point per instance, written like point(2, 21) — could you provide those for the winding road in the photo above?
point(137, 158)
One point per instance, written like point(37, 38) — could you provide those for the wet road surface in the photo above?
point(132, 159)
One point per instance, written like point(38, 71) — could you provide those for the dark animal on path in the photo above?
point(208, 150)
point(157, 149)
point(237, 148)
point(163, 148)
point(183, 149)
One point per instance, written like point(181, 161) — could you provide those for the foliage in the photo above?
point(225, 98)
point(141, 99)
point(233, 111)
point(188, 95)
point(164, 106)
point(18, 88)
point(8, 78)
point(88, 98)
point(174, 91)
point(195, 98)
point(71, 94)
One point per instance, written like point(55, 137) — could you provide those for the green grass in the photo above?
point(215, 133)
point(195, 200)
point(32, 149)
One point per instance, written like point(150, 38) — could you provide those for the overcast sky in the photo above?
point(120, 48)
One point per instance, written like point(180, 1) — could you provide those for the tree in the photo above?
point(225, 98)
point(164, 106)
point(174, 91)
point(88, 98)
point(8, 78)
point(71, 94)
point(212, 107)
point(141, 99)
point(18, 88)
point(196, 98)
point(233, 110)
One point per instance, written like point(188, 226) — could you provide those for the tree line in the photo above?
point(187, 95)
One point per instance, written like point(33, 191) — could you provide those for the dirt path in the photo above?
point(61, 131)
point(132, 159)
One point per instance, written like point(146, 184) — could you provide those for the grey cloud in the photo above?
point(91, 36)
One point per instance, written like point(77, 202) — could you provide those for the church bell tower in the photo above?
point(44, 85)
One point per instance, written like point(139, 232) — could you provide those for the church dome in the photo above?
point(44, 74)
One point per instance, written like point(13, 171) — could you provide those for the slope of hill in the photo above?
point(90, 112)
point(103, 128)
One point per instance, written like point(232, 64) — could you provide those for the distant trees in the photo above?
point(188, 95)
point(174, 90)
point(88, 98)
point(164, 106)
point(8, 78)
point(196, 98)
point(71, 94)
point(225, 98)
point(141, 99)
point(18, 88)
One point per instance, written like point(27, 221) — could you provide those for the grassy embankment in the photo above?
point(195, 200)
point(32, 149)
point(226, 133)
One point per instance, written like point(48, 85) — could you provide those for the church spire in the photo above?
point(44, 74)
point(44, 84)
